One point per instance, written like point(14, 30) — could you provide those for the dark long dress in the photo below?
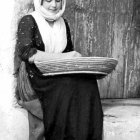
point(71, 103)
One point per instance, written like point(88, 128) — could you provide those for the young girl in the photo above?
point(71, 103)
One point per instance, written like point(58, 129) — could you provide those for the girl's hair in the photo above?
point(41, 2)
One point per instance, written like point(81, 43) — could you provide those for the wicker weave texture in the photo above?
point(94, 65)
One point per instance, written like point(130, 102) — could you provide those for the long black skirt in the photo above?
point(71, 107)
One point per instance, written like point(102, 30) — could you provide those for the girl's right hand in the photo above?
point(43, 56)
point(73, 54)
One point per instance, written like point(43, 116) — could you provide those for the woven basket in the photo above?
point(100, 66)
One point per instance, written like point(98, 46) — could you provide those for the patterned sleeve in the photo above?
point(25, 38)
point(69, 41)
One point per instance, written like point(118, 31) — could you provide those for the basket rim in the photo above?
point(78, 58)
point(76, 72)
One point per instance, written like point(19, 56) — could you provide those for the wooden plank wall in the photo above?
point(105, 28)
point(110, 28)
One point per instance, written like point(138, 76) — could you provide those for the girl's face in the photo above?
point(53, 6)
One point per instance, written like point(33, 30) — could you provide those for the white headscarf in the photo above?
point(54, 38)
point(48, 16)
point(45, 13)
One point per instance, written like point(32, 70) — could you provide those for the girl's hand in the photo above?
point(73, 54)
point(43, 56)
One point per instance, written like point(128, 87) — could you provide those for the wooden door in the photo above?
point(109, 28)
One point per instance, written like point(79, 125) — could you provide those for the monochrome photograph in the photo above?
point(70, 70)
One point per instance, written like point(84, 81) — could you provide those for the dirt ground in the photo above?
point(121, 119)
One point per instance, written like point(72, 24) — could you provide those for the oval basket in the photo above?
point(99, 66)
